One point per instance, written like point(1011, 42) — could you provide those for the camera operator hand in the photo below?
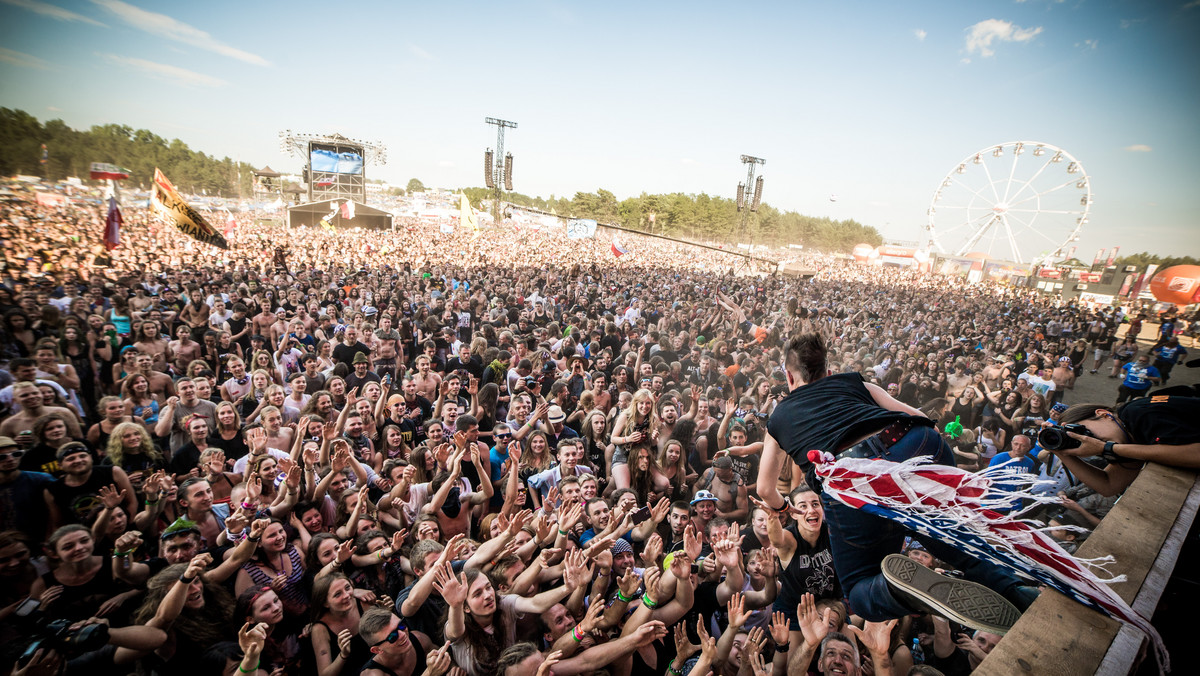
point(44, 663)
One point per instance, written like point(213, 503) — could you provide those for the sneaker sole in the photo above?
point(968, 603)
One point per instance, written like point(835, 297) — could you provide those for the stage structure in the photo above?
point(497, 167)
point(334, 166)
point(333, 212)
point(754, 200)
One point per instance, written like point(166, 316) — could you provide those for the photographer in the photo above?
point(1162, 429)
point(90, 646)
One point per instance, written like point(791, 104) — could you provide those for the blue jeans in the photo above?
point(860, 541)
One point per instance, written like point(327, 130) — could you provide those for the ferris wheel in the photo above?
point(1021, 201)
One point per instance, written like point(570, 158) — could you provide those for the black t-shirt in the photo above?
point(809, 571)
point(1162, 420)
point(956, 664)
point(345, 353)
point(76, 502)
point(827, 415)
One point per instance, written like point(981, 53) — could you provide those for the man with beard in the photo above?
point(72, 497)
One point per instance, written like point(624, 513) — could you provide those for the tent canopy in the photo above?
point(364, 216)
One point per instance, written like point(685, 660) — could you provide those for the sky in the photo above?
point(872, 102)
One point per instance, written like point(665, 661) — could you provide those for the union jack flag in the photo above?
point(958, 508)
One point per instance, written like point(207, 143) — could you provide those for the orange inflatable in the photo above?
point(862, 252)
point(1179, 284)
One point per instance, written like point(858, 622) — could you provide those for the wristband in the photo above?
point(783, 509)
point(575, 634)
point(563, 532)
point(624, 598)
point(121, 555)
point(649, 604)
point(671, 669)
point(254, 670)
point(1108, 453)
point(253, 539)
point(183, 578)
point(156, 499)
point(247, 505)
point(783, 647)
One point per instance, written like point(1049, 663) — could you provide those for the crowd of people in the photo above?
point(419, 453)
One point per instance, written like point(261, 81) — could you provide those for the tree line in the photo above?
point(70, 152)
point(699, 217)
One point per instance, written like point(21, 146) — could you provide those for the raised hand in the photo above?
point(254, 488)
point(681, 566)
point(758, 665)
point(876, 636)
point(780, 632)
point(629, 583)
point(649, 632)
point(691, 542)
point(452, 589)
point(814, 626)
point(198, 565)
point(546, 668)
point(251, 638)
point(111, 498)
point(592, 617)
point(650, 578)
point(438, 661)
point(754, 641)
point(344, 551)
point(684, 648)
point(728, 553)
point(652, 550)
point(738, 615)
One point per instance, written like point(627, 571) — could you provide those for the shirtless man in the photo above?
point(1064, 379)
point(385, 350)
point(161, 385)
point(27, 394)
point(996, 371)
point(264, 320)
point(727, 487)
point(426, 380)
point(196, 313)
point(150, 342)
point(184, 350)
point(278, 436)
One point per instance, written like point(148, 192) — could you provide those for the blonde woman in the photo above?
point(130, 448)
point(635, 424)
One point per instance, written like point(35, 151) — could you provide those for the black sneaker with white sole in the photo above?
point(968, 603)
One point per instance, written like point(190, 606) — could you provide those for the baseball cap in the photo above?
point(702, 496)
point(556, 415)
point(723, 462)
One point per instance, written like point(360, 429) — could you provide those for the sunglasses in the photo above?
point(15, 453)
point(392, 637)
point(502, 436)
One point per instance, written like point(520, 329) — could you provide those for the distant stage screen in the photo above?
point(336, 159)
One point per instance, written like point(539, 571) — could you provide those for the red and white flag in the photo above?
point(618, 250)
point(958, 508)
point(348, 209)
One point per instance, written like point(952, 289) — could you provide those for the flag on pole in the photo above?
point(348, 209)
point(959, 508)
point(112, 224)
point(102, 171)
point(618, 250)
point(466, 215)
point(171, 205)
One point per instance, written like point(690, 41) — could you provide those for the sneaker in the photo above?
point(967, 603)
point(1092, 371)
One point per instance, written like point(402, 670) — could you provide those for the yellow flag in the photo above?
point(466, 216)
point(174, 207)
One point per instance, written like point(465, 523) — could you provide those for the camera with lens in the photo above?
point(57, 635)
point(1056, 438)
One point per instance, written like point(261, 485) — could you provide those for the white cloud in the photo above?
point(1192, 5)
point(54, 109)
point(1139, 148)
point(983, 36)
point(920, 33)
point(420, 53)
point(172, 29)
point(16, 58)
point(1088, 44)
point(1130, 23)
point(52, 11)
point(187, 78)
